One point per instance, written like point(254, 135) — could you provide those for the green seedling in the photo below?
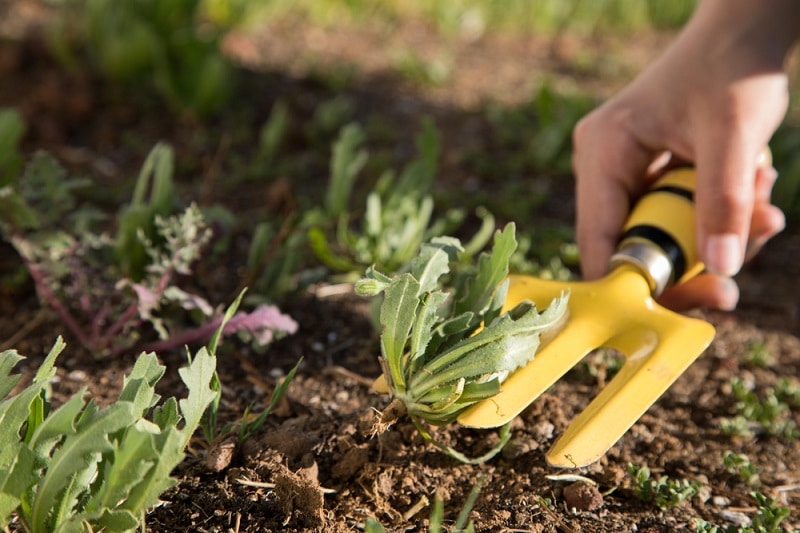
point(768, 414)
point(153, 195)
point(758, 354)
point(788, 391)
point(740, 465)
point(767, 520)
point(663, 492)
point(398, 216)
point(275, 262)
point(81, 468)
point(445, 347)
point(272, 134)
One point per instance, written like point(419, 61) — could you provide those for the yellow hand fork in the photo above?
point(658, 249)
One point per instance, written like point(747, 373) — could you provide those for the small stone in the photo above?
point(583, 496)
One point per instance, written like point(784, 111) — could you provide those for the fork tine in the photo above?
point(579, 336)
point(657, 356)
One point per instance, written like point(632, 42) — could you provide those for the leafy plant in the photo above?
point(767, 519)
point(399, 211)
point(82, 273)
point(247, 426)
point(768, 414)
point(153, 195)
point(446, 348)
point(664, 492)
point(173, 48)
point(81, 468)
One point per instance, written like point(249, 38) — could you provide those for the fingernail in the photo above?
point(724, 254)
point(730, 295)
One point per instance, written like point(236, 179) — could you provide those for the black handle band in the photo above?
point(663, 240)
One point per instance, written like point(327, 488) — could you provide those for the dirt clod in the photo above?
point(583, 496)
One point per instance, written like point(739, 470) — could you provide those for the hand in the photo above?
point(714, 99)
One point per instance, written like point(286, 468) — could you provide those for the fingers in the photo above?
point(726, 172)
point(716, 291)
point(767, 220)
point(608, 164)
point(706, 290)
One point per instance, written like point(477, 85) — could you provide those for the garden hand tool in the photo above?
point(657, 249)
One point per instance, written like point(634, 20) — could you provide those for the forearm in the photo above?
point(763, 30)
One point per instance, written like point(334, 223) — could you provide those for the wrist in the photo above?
point(762, 31)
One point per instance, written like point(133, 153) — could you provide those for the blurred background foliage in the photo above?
point(175, 51)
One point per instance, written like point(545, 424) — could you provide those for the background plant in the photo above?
point(398, 216)
point(767, 519)
point(663, 492)
point(769, 412)
point(83, 274)
point(174, 48)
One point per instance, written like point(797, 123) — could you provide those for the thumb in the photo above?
point(724, 200)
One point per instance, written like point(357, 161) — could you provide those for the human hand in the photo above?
point(713, 99)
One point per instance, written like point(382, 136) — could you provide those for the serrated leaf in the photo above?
point(58, 425)
point(166, 414)
point(132, 458)
point(15, 479)
point(197, 377)
point(76, 454)
point(429, 266)
point(492, 269)
point(139, 386)
point(502, 346)
point(397, 316)
point(8, 360)
point(169, 447)
point(106, 520)
point(14, 411)
point(422, 331)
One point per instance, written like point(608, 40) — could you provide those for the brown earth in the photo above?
point(313, 466)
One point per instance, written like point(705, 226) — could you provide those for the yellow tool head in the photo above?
point(617, 312)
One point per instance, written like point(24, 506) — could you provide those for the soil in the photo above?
point(314, 465)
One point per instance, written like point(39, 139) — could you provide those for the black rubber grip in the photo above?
point(663, 240)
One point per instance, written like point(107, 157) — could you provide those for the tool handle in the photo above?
point(659, 237)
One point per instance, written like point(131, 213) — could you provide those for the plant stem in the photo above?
point(46, 294)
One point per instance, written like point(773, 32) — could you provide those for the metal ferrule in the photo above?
point(649, 259)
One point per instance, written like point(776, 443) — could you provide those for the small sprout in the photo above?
point(664, 492)
point(758, 354)
point(740, 465)
point(768, 413)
